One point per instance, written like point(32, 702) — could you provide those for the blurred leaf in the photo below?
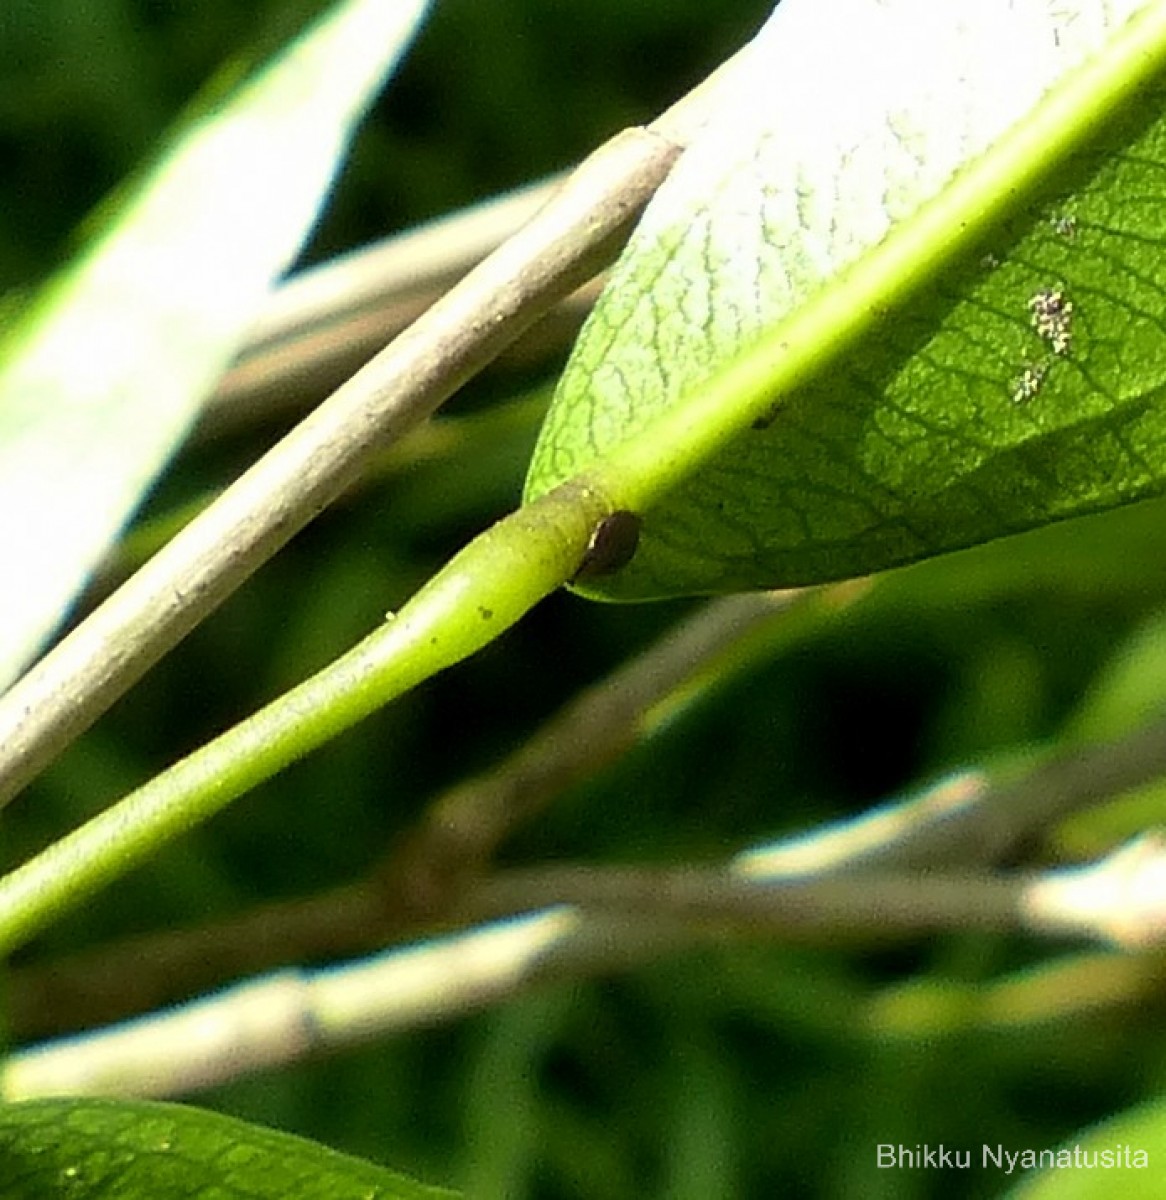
point(122, 1150)
point(1127, 694)
point(1130, 691)
point(1019, 389)
point(104, 375)
point(1092, 832)
point(1104, 1163)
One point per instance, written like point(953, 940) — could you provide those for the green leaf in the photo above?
point(913, 410)
point(103, 376)
point(1122, 1157)
point(125, 1150)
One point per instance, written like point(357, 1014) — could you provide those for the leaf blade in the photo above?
point(824, 490)
point(1110, 1159)
point(105, 373)
point(155, 1151)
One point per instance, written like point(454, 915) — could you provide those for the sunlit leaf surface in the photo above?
point(134, 1150)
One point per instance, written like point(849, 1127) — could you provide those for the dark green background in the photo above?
point(752, 1072)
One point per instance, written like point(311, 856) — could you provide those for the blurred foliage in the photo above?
point(757, 1071)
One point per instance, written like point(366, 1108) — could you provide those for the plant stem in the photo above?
point(482, 591)
point(617, 918)
point(432, 867)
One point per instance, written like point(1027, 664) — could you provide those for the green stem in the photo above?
point(482, 591)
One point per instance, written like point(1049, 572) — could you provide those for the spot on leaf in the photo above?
point(1051, 312)
point(1064, 225)
point(1029, 383)
point(613, 544)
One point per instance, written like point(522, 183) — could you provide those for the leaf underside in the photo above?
point(1024, 386)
